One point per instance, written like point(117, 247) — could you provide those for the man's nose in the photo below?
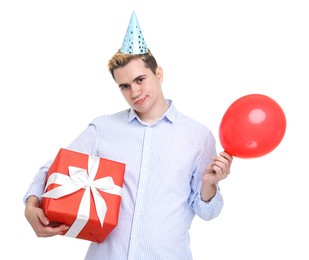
point(136, 90)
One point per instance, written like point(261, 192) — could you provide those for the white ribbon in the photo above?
point(79, 179)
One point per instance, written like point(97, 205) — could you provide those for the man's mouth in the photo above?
point(139, 101)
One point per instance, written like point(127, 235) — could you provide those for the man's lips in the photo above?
point(139, 101)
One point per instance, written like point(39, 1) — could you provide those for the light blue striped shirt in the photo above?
point(164, 166)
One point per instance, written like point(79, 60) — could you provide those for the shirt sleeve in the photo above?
point(37, 186)
point(84, 143)
point(205, 210)
point(208, 210)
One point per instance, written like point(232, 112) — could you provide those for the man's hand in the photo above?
point(216, 171)
point(39, 222)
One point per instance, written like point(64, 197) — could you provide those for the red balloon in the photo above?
point(252, 126)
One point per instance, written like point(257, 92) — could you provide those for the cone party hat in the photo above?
point(134, 42)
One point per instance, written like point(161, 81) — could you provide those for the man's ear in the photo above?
point(159, 74)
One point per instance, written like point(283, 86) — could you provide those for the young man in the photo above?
point(172, 170)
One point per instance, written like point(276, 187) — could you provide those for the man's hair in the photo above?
point(121, 59)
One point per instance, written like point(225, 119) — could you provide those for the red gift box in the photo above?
point(84, 192)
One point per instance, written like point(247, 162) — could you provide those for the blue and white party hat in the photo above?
point(134, 42)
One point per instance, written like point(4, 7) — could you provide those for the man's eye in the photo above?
point(123, 87)
point(140, 80)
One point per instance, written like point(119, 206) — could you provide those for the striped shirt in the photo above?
point(164, 165)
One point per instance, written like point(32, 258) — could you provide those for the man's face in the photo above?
point(140, 87)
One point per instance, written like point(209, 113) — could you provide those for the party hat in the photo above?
point(134, 42)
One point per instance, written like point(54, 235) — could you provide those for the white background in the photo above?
point(54, 80)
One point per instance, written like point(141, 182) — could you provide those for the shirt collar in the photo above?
point(170, 114)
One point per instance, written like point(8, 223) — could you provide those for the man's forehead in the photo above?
point(131, 72)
